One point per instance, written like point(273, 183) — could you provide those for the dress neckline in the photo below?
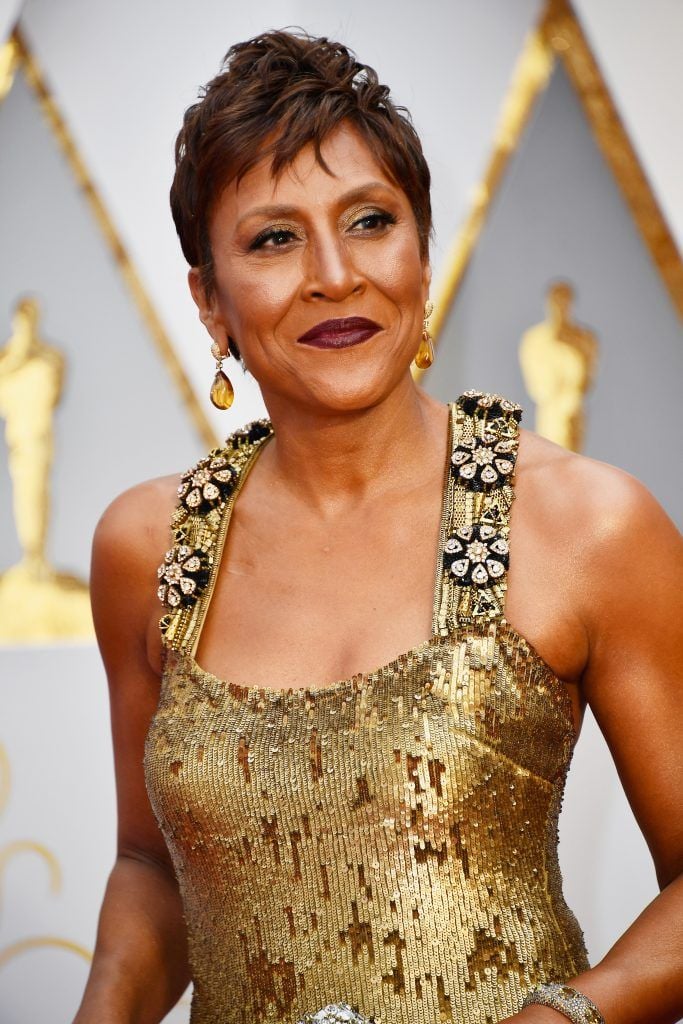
point(361, 681)
point(358, 680)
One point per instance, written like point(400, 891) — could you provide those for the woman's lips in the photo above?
point(351, 330)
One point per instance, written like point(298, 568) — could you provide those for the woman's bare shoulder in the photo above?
point(139, 517)
point(589, 497)
point(129, 542)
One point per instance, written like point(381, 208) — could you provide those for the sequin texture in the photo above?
point(388, 841)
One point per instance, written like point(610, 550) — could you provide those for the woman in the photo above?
point(298, 827)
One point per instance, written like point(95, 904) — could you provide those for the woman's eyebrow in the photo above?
point(289, 210)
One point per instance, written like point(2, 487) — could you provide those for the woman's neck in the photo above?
point(332, 461)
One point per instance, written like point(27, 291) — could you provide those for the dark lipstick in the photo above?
point(350, 330)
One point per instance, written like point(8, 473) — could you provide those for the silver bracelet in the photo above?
point(334, 1013)
point(567, 1000)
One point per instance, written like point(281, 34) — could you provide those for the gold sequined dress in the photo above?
point(390, 840)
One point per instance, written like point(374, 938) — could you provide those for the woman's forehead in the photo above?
point(351, 167)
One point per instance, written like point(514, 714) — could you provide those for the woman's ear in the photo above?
point(426, 276)
point(206, 307)
point(196, 288)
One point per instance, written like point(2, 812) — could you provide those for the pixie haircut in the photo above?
point(275, 94)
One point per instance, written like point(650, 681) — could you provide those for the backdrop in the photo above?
point(86, 134)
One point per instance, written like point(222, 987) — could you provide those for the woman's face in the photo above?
point(310, 247)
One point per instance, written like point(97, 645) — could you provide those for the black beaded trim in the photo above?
point(255, 431)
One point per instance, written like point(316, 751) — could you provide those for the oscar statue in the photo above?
point(36, 602)
point(558, 362)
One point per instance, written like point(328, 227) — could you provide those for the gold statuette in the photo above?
point(558, 360)
point(36, 602)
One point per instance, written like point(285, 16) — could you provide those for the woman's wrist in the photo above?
point(538, 1014)
point(568, 1001)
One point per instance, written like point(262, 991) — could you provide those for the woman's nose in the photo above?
point(330, 271)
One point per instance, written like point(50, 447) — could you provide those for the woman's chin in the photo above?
point(353, 393)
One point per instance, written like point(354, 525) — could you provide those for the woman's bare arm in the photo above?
point(140, 967)
point(631, 575)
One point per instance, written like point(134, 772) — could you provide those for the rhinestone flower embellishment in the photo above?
point(183, 573)
point(483, 463)
point(495, 405)
point(476, 555)
point(207, 484)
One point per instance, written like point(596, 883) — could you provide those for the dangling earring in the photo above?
point(425, 353)
point(222, 393)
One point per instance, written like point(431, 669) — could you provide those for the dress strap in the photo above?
point(206, 494)
point(473, 550)
point(476, 527)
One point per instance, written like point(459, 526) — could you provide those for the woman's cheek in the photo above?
point(268, 284)
point(247, 299)
point(397, 268)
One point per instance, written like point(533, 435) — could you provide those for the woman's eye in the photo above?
point(277, 238)
point(372, 221)
point(272, 239)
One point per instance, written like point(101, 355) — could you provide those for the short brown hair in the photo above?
point(292, 89)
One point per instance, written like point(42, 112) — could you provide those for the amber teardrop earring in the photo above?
point(222, 393)
point(425, 353)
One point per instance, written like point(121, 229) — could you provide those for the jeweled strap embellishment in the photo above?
point(207, 484)
point(484, 462)
point(204, 490)
point(475, 552)
point(476, 555)
point(184, 573)
point(494, 410)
